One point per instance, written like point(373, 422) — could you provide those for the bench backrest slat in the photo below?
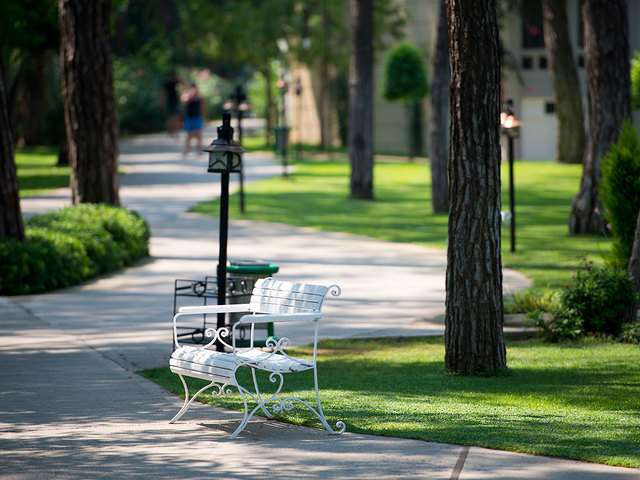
point(275, 296)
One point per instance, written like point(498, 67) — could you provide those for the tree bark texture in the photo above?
point(324, 97)
point(34, 118)
point(361, 99)
point(564, 77)
point(606, 36)
point(10, 216)
point(474, 310)
point(416, 127)
point(89, 107)
point(634, 270)
point(439, 124)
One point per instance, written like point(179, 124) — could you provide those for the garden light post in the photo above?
point(237, 102)
point(225, 157)
point(298, 89)
point(511, 129)
point(282, 130)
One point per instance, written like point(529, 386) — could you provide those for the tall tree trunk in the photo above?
point(606, 35)
point(474, 316)
point(564, 76)
point(361, 99)
point(439, 124)
point(416, 127)
point(89, 107)
point(34, 91)
point(323, 99)
point(10, 215)
point(634, 270)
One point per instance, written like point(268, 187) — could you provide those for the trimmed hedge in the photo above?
point(70, 245)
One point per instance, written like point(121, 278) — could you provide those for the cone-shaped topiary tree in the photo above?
point(405, 80)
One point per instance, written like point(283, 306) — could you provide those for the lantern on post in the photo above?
point(225, 157)
point(237, 102)
point(511, 129)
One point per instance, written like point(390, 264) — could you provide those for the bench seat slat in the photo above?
point(289, 294)
point(279, 285)
point(224, 365)
point(205, 357)
point(201, 375)
point(274, 305)
point(274, 362)
point(205, 371)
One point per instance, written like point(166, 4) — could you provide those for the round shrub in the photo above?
point(404, 74)
point(630, 332)
point(70, 245)
point(599, 296)
point(559, 324)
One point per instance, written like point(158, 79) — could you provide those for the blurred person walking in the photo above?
point(194, 117)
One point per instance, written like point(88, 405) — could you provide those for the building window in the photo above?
point(542, 63)
point(527, 63)
point(532, 33)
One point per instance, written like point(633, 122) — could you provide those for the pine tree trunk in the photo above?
point(564, 76)
point(416, 127)
point(10, 215)
point(474, 316)
point(606, 34)
point(87, 88)
point(361, 99)
point(34, 94)
point(631, 314)
point(323, 99)
point(439, 124)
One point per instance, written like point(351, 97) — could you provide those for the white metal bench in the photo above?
point(271, 301)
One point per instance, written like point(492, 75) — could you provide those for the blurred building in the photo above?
point(527, 83)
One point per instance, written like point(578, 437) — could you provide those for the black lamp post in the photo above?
point(511, 129)
point(237, 102)
point(282, 128)
point(225, 157)
point(298, 87)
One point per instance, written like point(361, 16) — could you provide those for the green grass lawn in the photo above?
point(37, 171)
point(317, 196)
point(578, 401)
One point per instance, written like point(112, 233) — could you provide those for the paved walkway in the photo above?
point(71, 406)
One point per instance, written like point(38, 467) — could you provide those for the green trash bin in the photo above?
point(241, 277)
point(282, 139)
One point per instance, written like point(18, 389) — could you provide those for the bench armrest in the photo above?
point(208, 309)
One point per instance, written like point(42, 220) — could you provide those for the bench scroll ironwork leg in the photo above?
point(261, 403)
point(320, 414)
point(258, 394)
point(187, 401)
